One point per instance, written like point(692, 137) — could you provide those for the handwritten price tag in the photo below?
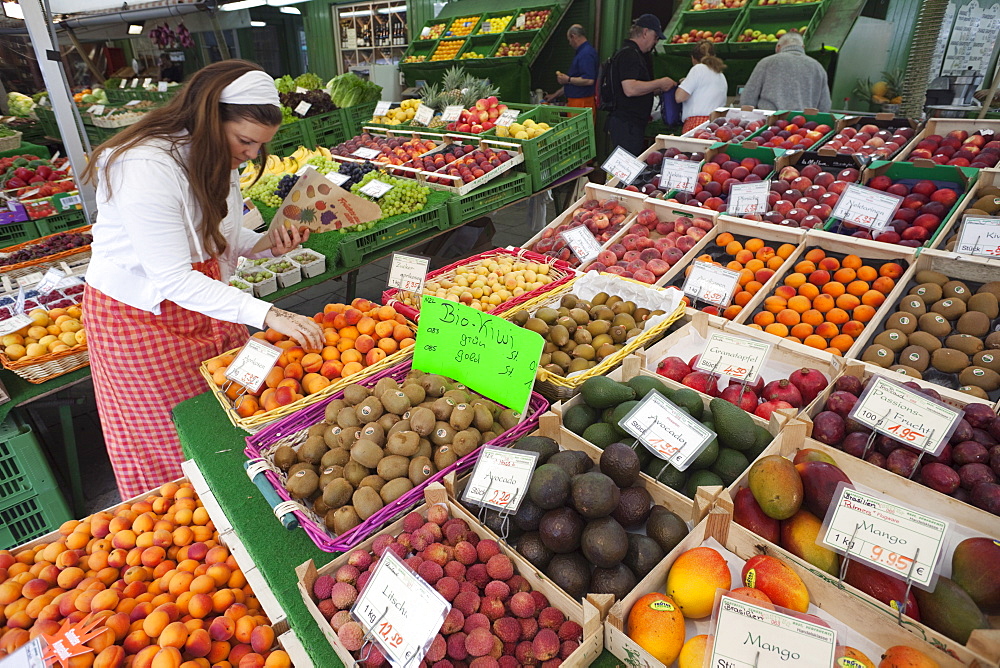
point(747, 635)
point(146, 82)
point(97, 109)
point(400, 610)
point(711, 284)
point(375, 189)
point(907, 416)
point(866, 207)
point(748, 198)
point(367, 153)
point(424, 114)
point(452, 113)
point(667, 431)
point(132, 103)
point(507, 118)
point(50, 280)
point(734, 356)
point(253, 363)
point(29, 279)
point(337, 178)
point(300, 90)
point(123, 82)
point(582, 243)
point(980, 235)
point(500, 479)
point(623, 166)
point(302, 108)
point(893, 538)
point(381, 107)
point(679, 175)
point(408, 272)
point(13, 324)
point(491, 355)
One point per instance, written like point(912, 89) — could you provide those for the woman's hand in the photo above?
point(284, 240)
point(305, 330)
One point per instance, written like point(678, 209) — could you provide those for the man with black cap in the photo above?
point(631, 78)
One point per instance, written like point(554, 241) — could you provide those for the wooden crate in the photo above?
point(942, 126)
point(953, 224)
point(683, 144)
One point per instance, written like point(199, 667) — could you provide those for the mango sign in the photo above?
point(488, 354)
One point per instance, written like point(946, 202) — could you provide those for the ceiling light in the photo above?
point(347, 15)
point(290, 10)
point(242, 4)
point(13, 10)
point(392, 10)
point(282, 3)
point(135, 28)
point(258, 24)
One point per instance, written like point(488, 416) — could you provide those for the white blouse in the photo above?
point(145, 239)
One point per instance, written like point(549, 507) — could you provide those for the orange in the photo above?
point(809, 291)
point(693, 579)
point(872, 298)
point(763, 319)
point(742, 298)
point(867, 273)
point(775, 304)
point(857, 288)
point(777, 329)
point(796, 279)
point(813, 317)
point(814, 341)
point(799, 303)
point(785, 251)
point(656, 624)
point(815, 254)
point(693, 653)
point(834, 288)
point(788, 317)
point(883, 284)
point(723, 239)
point(732, 311)
point(841, 342)
point(837, 316)
point(823, 303)
point(801, 330)
point(754, 245)
point(805, 267)
point(733, 247)
point(845, 275)
point(852, 262)
point(864, 313)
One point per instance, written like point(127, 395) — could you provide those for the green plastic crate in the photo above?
point(770, 20)
point(32, 518)
point(499, 192)
point(12, 234)
point(118, 96)
point(47, 119)
point(288, 138)
point(24, 471)
point(355, 247)
point(326, 129)
point(68, 220)
point(354, 118)
point(722, 20)
point(567, 144)
point(98, 135)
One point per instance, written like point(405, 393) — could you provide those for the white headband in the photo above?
point(254, 87)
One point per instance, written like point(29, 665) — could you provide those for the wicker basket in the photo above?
point(294, 430)
point(559, 388)
point(46, 367)
point(48, 260)
point(10, 143)
point(558, 269)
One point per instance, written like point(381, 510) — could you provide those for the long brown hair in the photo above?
point(194, 117)
point(704, 53)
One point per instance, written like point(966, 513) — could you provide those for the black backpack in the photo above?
point(605, 92)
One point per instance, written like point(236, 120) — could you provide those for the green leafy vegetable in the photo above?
point(348, 90)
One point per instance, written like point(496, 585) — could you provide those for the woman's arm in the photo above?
point(280, 240)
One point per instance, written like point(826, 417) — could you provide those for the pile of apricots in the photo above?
point(166, 591)
point(825, 302)
point(356, 336)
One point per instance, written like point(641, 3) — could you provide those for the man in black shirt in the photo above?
point(634, 86)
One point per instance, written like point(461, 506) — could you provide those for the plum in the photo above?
point(986, 495)
point(828, 427)
point(970, 452)
point(973, 474)
point(940, 478)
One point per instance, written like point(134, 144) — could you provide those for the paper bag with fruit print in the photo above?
point(321, 205)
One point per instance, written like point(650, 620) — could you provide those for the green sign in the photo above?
point(488, 354)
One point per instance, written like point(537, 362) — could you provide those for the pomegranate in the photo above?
point(673, 368)
point(748, 401)
point(782, 390)
point(810, 383)
point(756, 388)
point(765, 409)
point(703, 382)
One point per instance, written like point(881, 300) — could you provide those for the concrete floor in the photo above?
point(513, 226)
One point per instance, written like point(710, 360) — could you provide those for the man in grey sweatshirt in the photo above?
point(788, 80)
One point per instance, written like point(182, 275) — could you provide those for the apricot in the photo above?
point(34, 588)
point(244, 628)
point(278, 659)
point(374, 356)
point(136, 641)
point(105, 639)
point(104, 600)
point(155, 622)
point(222, 628)
point(174, 635)
point(314, 382)
point(353, 315)
point(251, 660)
point(219, 652)
point(13, 639)
point(110, 657)
point(238, 652)
point(167, 657)
point(262, 639)
point(68, 579)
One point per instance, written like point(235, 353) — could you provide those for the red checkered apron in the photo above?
point(143, 365)
point(692, 122)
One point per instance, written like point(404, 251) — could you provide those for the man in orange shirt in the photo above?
point(578, 84)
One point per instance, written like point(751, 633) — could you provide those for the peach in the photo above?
point(110, 657)
point(262, 639)
point(222, 628)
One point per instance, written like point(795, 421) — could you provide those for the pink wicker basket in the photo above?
point(293, 429)
point(560, 269)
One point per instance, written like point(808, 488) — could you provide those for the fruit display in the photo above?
point(434, 31)
point(739, 439)
point(406, 196)
point(479, 117)
point(58, 329)
point(464, 161)
point(394, 150)
point(471, 55)
point(447, 49)
point(109, 565)
point(718, 174)
point(401, 114)
point(579, 334)
point(486, 283)
point(319, 102)
point(36, 250)
point(827, 299)
point(414, 58)
point(506, 50)
point(459, 88)
point(925, 205)
point(870, 140)
point(495, 613)
point(356, 336)
point(751, 35)
point(526, 129)
point(494, 25)
point(604, 218)
point(805, 195)
point(695, 36)
point(793, 133)
point(272, 182)
point(980, 149)
point(985, 201)
point(727, 130)
point(648, 181)
point(704, 5)
point(532, 20)
point(462, 27)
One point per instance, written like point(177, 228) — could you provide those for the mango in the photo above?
point(781, 584)
point(776, 486)
point(812, 455)
point(693, 653)
point(799, 535)
point(656, 624)
point(852, 658)
point(949, 610)
point(882, 587)
point(901, 656)
point(747, 513)
point(975, 566)
point(819, 485)
point(693, 579)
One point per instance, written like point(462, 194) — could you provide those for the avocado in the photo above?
point(730, 465)
point(949, 610)
point(633, 507)
point(572, 461)
point(643, 554)
point(762, 439)
point(690, 401)
point(666, 528)
point(618, 581)
point(604, 542)
point(528, 516)
point(666, 473)
point(545, 447)
point(577, 418)
point(601, 434)
point(549, 486)
point(643, 385)
point(571, 573)
point(620, 463)
point(594, 494)
point(706, 457)
point(602, 392)
point(734, 425)
point(531, 547)
point(701, 479)
point(618, 414)
point(561, 530)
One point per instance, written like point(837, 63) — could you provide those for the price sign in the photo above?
point(28, 655)
point(29, 279)
point(95, 109)
point(134, 83)
point(146, 82)
point(866, 207)
point(375, 189)
point(132, 103)
point(885, 535)
point(979, 235)
point(491, 355)
point(302, 108)
point(748, 198)
point(520, 22)
point(15, 323)
point(907, 416)
point(666, 430)
point(452, 113)
point(381, 107)
point(123, 82)
point(733, 356)
point(367, 153)
point(253, 363)
point(408, 272)
point(337, 178)
point(50, 280)
point(300, 90)
point(712, 284)
point(424, 114)
point(623, 166)
point(582, 243)
point(679, 175)
point(400, 611)
point(19, 301)
point(747, 635)
point(507, 118)
point(161, 87)
point(500, 479)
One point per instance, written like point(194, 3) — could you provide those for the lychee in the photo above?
point(529, 627)
point(398, 550)
point(567, 647)
point(445, 663)
point(448, 587)
point(413, 521)
point(552, 663)
point(455, 569)
point(375, 659)
point(327, 608)
point(363, 580)
point(466, 553)
point(348, 574)
point(438, 649)
point(508, 661)
point(343, 595)
point(404, 540)
point(498, 589)
point(507, 629)
point(518, 583)
point(479, 642)
point(476, 620)
point(487, 548)
point(546, 645)
point(465, 585)
point(339, 619)
point(434, 529)
point(322, 587)
point(430, 572)
point(484, 662)
point(438, 514)
point(455, 531)
point(438, 553)
point(570, 630)
point(541, 602)
point(551, 618)
point(522, 604)
point(525, 653)
point(351, 636)
point(499, 567)
point(453, 622)
point(360, 559)
point(414, 562)
point(456, 646)
point(467, 602)
point(476, 574)
point(492, 607)
point(419, 541)
point(381, 544)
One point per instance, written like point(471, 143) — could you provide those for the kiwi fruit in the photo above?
point(395, 401)
point(285, 457)
point(332, 435)
point(395, 489)
point(403, 443)
point(974, 391)
point(465, 442)
point(929, 292)
point(970, 345)
point(348, 437)
point(366, 502)
point(925, 340)
point(435, 385)
point(316, 430)
point(415, 393)
point(402, 425)
point(458, 395)
point(337, 493)
point(372, 480)
point(915, 357)
point(949, 360)
point(344, 519)
point(906, 371)
point(385, 385)
point(879, 355)
point(988, 379)
point(355, 473)
point(993, 340)
point(951, 308)
point(987, 359)
point(335, 457)
point(913, 304)
point(393, 466)
point(988, 204)
point(332, 409)
point(444, 457)
point(904, 322)
point(354, 394)
point(329, 474)
point(975, 323)
point(366, 453)
point(425, 449)
point(302, 484)
point(312, 450)
point(420, 469)
point(956, 290)
point(299, 466)
point(993, 287)
point(374, 432)
point(319, 506)
point(928, 276)
point(461, 416)
point(935, 324)
point(893, 339)
point(985, 302)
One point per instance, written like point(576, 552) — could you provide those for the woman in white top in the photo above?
point(704, 88)
point(168, 234)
